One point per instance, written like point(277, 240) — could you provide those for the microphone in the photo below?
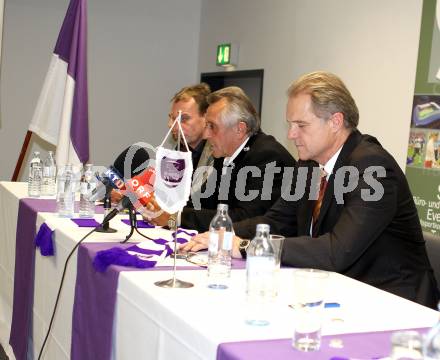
point(138, 192)
point(132, 161)
point(129, 163)
point(110, 178)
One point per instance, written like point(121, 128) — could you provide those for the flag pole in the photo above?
point(26, 141)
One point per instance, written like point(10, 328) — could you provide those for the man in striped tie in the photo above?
point(361, 221)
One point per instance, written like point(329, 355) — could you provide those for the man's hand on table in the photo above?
point(201, 242)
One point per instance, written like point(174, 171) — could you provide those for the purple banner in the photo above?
point(71, 46)
point(24, 272)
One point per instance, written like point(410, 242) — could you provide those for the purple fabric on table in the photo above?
point(44, 240)
point(118, 256)
point(141, 224)
point(86, 222)
point(371, 345)
point(24, 272)
point(95, 298)
point(93, 309)
point(94, 305)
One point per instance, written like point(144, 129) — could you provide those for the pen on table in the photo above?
point(328, 305)
point(332, 305)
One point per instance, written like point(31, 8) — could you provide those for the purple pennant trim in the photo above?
point(139, 223)
point(189, 233)
point(44, 240)
point(86, 222)
point(373, 345)
point(162, 241)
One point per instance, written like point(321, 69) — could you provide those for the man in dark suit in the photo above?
point(248, 166)
point(192, 102)
point(362, 221)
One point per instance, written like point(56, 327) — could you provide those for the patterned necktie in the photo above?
point(318, 203)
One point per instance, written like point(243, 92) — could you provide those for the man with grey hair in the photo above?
point(248, 167)
point(363, 222)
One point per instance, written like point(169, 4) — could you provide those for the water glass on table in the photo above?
point(406, 345)
point(309, 294)
point(277, 242)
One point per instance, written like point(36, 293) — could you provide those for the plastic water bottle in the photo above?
point(49, 176)
point(431, 345)
point(66, 192)
point(220, 249)
point(87, 185)
point(35, 175)
point(260, 277)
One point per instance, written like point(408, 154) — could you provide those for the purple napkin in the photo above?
point(143, 259)
point(86, 222)
point(139, 223)
point(44, 240)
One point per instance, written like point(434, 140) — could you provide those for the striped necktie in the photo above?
point(318, 203)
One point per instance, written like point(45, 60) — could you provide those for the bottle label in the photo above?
point(227, 241)
point(60, 187)
point(213, 243)
point(260, 264)
point(260, 271)
point(83, 188)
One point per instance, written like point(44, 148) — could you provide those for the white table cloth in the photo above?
point(157, 323)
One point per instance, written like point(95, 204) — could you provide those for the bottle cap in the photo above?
point(222, 207)
point(263, 227)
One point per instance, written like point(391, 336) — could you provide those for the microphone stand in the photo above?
point(174, 282)
point(105, 228)
point(133, 224)
point(173, 225)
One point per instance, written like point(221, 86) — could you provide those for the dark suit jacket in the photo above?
point(377, 242)
point(263, 153)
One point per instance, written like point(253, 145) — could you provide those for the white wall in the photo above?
point(372, 45)
point(140, 53)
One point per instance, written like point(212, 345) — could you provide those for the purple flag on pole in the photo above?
point(61, 114)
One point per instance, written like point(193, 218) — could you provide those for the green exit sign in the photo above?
point(227, 54)
point(223, 54)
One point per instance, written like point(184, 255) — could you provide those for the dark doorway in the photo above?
point(251, 81)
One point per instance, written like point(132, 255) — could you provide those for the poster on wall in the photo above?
point(423, 156)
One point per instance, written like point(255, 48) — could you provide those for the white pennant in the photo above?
point(174, 169)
